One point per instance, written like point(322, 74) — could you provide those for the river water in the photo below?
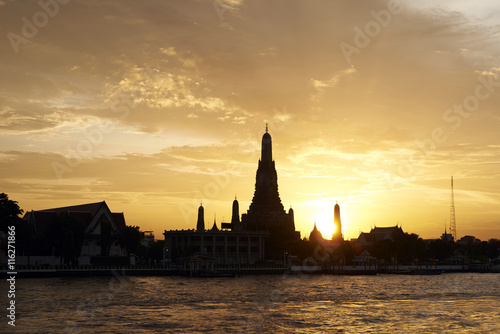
point(447, 303)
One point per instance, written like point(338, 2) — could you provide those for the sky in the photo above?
point(158, 106)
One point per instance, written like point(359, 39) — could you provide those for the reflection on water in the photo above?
point(278, 304)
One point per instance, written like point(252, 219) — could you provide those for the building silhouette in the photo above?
point(447, 236)
point(337, 235)
point(223, 246)
point(378, 234)
point(235, 223)
point(266, 212)
point(235, 218)
point(264, 232)
point(315, 235)
point(200, 224)
point(94, 218)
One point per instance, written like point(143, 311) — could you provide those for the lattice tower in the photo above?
point(453, 225)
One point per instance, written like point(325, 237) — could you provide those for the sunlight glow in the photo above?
point(323, 216)
point(321, 212)
point(326, 228)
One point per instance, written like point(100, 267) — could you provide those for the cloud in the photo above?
point(250, 69)
point(334, 80)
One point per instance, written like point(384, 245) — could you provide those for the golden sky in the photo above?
point(155, 106)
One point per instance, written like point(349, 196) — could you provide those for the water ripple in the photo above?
point(448, 303)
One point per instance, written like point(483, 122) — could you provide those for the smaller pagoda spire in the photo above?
point(215, 228)
point(200, 224)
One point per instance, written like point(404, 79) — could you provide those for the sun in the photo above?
point(321, 212)
point(326, 228)
point(324, 223)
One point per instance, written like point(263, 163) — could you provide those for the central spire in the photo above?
point(266, 212)
point(267, 147)
point(266, 204)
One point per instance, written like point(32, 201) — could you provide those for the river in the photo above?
point(447, 303)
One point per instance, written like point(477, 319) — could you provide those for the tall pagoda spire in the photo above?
point(267, 147)
point(200, 224)
point(266, 208)
point(266, 212)
point(235, 218)
point(337, 235)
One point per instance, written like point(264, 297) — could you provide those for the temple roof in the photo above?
point(84, 213)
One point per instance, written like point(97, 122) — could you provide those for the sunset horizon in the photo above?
point(158, 107)
point(318, 211)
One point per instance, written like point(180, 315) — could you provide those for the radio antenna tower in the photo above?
point(453, 225)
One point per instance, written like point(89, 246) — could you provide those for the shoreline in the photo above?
point(245, 271)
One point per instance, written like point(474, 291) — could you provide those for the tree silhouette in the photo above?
point(130, 238)
point(441, 249)
point(154, 251)
point(493, 248)
point(9, 212)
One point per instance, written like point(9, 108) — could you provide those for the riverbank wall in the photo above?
point(228, 271)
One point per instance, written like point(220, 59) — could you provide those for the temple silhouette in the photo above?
point(264, 233)
point(266, 212)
